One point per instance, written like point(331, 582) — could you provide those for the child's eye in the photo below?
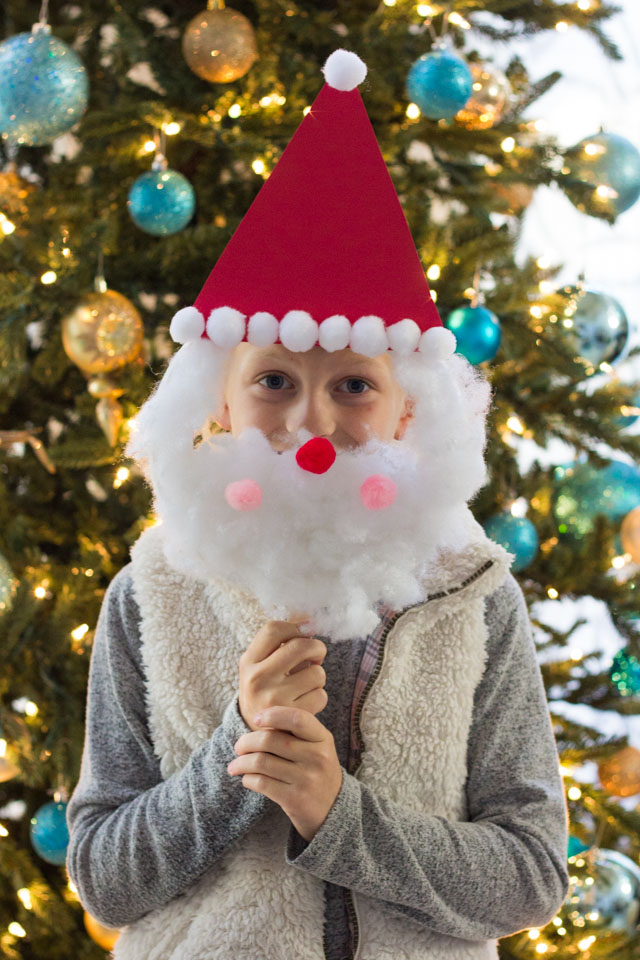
point(279, 377)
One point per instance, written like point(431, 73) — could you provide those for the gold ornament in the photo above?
point(630, 534)
point(620, 774)
point(14, 191)
point(491, 91)
point(512, 198)
point(103, 332)
point(105, 937)
point(8, 770)
point(219, 44)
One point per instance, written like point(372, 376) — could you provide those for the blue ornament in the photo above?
point(49, 833)
point(440, 82)
point(43, 87)
point(162, 201)
point(575, 846)
point(583, 491)
point(516, 534)
point(477, 332)
point(597, 325)
point(610, 164)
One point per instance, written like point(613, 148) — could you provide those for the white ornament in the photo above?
point(403, 336)
point(369, 336)
point(298, 330)
point(187, 324)
point(344, 70)
point(437, 343)
point(225, 327)
point(262, 329)
point(335, 333)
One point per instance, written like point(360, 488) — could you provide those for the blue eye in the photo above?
point(272, 376)
point(357, 380)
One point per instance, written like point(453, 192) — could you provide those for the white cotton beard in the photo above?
point(312, 546)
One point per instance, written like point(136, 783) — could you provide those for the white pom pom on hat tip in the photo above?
point(344, 70)
point(437, 343)
point(187, 324)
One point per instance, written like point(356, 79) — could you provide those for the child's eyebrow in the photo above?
point(274, 357)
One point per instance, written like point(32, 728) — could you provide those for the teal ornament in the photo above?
point(597, 325)
point(162, 201)
point(49, 833)
point(477, 332)
point(575, 846)
point(630, 415)
point(605, 170)
point(440, 82)
point(582, 491)
point(8, 585)
point(624, 673)
point(517, 535)
point(43, 87)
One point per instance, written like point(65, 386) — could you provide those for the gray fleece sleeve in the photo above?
point(505, 869)
point(125, 822)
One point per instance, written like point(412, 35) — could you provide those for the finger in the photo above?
point(275, 742)
point(264, 764)
point(300, 723)
point(268, 640)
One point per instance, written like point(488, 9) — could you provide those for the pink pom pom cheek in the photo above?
point(378, 492)
point(243, 494)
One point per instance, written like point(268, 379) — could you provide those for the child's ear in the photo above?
point(406, 417)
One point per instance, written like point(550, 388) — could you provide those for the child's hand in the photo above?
point(292, 760)
point(274, 671)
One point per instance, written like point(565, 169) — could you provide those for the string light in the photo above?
point(49, 277)
point(40, 592)
point(122, 474)
point(552, 593)
point(149, 146)
point(433, 272)
point(258, 166)
point(544, 262)
point(389, 3)
point(459, 21)
point(584, 4)
point(171, 128)
point(6, 225)
point(234, 110)
point(426, 10)
point(413, 111)
point(515, 424)
point(31, 709)
point(25, 898)
point(508, 144)
point(562, 26)
point(305, 111)
point(80, 631)
point(16, 930)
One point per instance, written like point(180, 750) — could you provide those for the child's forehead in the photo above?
point(248, 354)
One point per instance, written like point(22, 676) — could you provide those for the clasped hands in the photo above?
point(289, 755)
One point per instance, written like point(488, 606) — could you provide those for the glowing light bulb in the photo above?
point(234, 110)
point(508, 144)
point(433, 272)
point(413, 111)
point(562, 26)
point(49, 277)
point(172, 128)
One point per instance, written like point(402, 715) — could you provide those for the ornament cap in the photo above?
point(344, 70)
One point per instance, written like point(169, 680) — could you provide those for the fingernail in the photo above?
point(257, 719)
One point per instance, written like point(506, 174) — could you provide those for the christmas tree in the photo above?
point(125, 170)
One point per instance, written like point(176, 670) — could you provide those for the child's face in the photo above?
point(343, 396)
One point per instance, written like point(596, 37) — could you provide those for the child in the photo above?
point(422, 814)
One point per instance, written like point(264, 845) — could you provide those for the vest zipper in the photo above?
point(349, 896)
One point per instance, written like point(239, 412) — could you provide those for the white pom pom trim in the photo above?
point(298, 331)
point(335, 333)
point(186, 324)
point(262, 329)
point(437, 343)
point(344, 70)
point(225, 327)
point(369, 336)
point(403, 336)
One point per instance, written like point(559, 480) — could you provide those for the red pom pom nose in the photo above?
point(316, 455)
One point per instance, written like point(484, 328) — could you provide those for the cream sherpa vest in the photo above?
point(252, 905)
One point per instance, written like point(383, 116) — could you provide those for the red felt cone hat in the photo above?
point(324, 255)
